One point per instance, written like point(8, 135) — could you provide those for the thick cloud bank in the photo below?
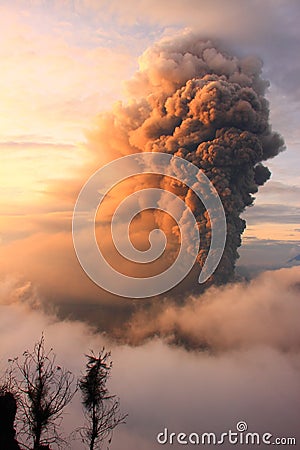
point(263, 311)
point(250, 372)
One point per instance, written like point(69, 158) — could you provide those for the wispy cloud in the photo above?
point(273, 213)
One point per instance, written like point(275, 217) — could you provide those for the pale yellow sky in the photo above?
point(273, 231)
point(51, 89)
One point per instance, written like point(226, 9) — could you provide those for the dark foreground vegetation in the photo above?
point(34, 392)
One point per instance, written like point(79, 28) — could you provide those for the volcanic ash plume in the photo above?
point(194, 100)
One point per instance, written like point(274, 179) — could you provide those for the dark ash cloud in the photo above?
point(193, 99)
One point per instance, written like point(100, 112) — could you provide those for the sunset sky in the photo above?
point(64, 62)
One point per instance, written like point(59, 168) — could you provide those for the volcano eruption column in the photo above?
point(194, 100)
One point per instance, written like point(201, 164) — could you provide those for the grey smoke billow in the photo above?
point(192, 99)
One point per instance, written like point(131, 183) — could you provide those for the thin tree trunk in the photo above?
point(94, 431)
point(37, 440)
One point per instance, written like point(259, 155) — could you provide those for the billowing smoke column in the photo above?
point(194, 100)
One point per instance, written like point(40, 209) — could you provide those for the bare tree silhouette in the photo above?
point(38, 390)
point(102, 410)
point(44, 389)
